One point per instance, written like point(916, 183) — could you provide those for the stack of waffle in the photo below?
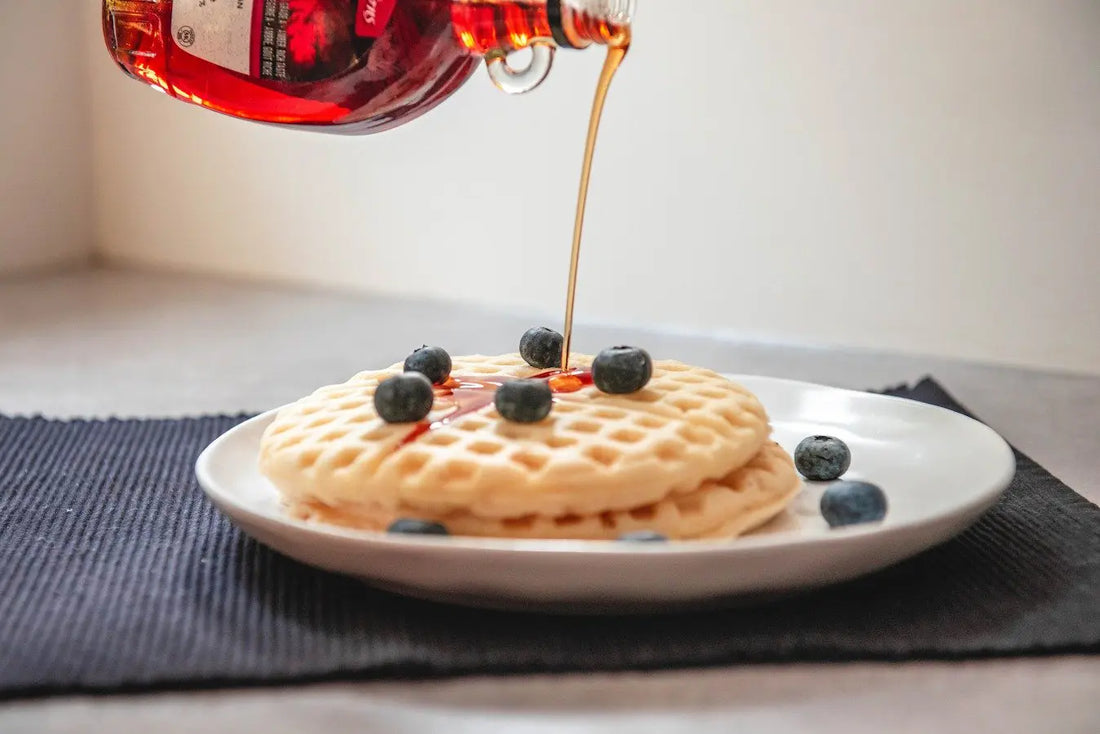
point(688, 457)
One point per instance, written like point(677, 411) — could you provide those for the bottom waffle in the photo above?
point(725, 508)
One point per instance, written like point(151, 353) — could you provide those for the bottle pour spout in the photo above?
point(561, 24)
point(511, 80)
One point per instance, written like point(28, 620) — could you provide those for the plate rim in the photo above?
point(970, 510)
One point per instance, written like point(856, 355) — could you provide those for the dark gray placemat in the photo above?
point(117, 574)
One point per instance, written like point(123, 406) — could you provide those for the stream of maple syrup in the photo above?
point(471, 394)
point(616, 52)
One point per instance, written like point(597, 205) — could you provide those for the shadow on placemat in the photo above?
point(117, 574)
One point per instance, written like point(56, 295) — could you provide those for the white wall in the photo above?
point(921, 175)
point(45, 136)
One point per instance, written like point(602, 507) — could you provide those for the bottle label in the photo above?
point(372, 17)
point(282, 40)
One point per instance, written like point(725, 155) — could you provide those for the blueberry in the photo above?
point(643, 536)
point(410, 526)
point(404, 398)
point(541, 347)
point(622, 370)
point(432, 362)
point(822, 458)
point(524, 401)
point(853, 503)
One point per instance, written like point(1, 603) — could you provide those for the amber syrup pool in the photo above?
point(472, 394)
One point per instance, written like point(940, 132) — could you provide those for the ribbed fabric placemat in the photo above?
point(117, 574)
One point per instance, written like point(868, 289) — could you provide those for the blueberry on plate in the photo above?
point(404, 398)
point(643, 536)
point(411, 526)
point(622, 370)
point(541, 347)
point(853, 503)
point(822, 458)
point(432, 362)
point(524, 401)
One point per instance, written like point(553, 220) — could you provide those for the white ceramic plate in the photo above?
point(940, 471)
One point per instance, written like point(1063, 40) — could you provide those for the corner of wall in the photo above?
point(45, 139)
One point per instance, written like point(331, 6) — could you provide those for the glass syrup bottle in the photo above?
point(349, 66)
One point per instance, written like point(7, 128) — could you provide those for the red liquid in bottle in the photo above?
point(367, 65)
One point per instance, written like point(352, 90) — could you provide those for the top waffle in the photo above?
point(595, 453)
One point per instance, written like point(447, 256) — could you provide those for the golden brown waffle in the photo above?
point(596, 452)
point(739, 502)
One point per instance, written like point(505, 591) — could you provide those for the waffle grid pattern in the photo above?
point(596, 453)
